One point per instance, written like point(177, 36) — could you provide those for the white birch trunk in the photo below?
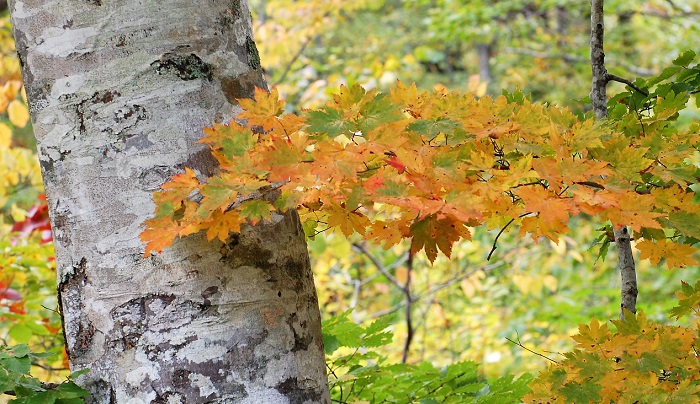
point(119, 91)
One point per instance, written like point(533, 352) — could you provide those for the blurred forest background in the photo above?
point(454, 310)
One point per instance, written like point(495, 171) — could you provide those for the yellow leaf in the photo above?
point(18, 113)
point(347, 221)
point(677, 255)
point(5, 136)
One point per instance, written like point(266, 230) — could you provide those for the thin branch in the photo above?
point(44, 385)
point(545, 55)
point(409, 303)
point(518, 343)
point(495, 241)
point(612, 77)
point(361, 248)
point(431, 291)
point(294, 59)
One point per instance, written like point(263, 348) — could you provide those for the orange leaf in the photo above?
point(347, 221)
point(222, 224)
point(433, 233)
point(264, 110)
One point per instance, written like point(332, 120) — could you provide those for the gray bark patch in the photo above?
point(296, 393)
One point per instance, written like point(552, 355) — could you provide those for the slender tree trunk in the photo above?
point(484, 51)
point(599, 100)
point(119, 92)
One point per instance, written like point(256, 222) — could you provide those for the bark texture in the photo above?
point(599, 100)
point(118, 93)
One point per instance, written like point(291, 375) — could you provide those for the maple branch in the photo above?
point(44, 385)
point(520, 344)
point(409, 303)
point(495, 241)
point(612, 77)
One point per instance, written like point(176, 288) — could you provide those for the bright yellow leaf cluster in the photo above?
point(640, 361)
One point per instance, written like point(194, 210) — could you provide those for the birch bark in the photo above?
point(119, 92)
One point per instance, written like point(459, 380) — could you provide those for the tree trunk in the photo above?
point(599, 101)
point(119, 92)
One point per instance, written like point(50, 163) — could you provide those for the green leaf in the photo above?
point(684, 58)
point(667, 73)
point(430, 128)
point(686, 222)
point(506, 390)
point(256, 210)
point(380, 110)
point(329, 121)
point(21, 333)
point(581, 393)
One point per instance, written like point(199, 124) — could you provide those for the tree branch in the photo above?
point(612, 77)
point(520, 344)
point(409, 304)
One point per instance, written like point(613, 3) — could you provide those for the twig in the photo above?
point(520, 344)
point(380, 267)
point(294, 59)
point(612, 77)
point(431, 291)
point(495, 241)
point(409, 303)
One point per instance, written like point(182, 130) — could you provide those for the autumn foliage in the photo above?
point(429, 166)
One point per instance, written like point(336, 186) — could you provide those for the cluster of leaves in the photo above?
point(426, 166)
point(359, 374)
point(15, 364)
point(640, 361)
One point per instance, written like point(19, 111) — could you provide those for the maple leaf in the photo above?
point(347, 221)
point(432, 233)
point(388, 233)
point(285, 158)
point(180, 186)
point(256, 210)
point(635, 211)
point(688, 300)
point(218, 194)
point(221, 224)
point(538, 226)
point(676, 255)
point(549, 205)
point(590, 336)
point(377, 111)
point(263, 110)
point(160, 232)
point(329, 121)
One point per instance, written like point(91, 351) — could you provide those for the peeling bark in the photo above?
point(118, 93)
